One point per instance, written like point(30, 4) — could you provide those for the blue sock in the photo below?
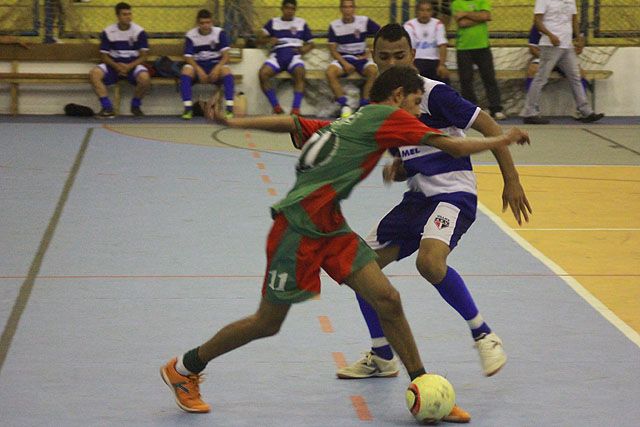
point(185, 90)
point(364, 102)
point(342, 101)
point(527, 83)
point(455, 293)
point(136, 102)
point(273, 99)
point(585, 84)
point(375, 330)
point(105, 103)
point(228, 91)
point(297, 99)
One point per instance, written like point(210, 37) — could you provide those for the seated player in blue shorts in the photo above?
point(206, 52)
point(291, 38)
point(123, 47)
point(348, 47)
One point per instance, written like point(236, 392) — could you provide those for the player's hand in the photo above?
point(517, 136)
point(348, 67)
point(394, 172)
point(442, 71)
point(202, 76)
point(514, 197)
point(554, 40)
point(214, 110)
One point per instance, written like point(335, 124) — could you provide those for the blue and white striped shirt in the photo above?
point(206, 47)
point(350, 37)
point(123, 45)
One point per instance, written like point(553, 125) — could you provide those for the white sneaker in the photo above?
point(492, 355)
point(370, 366)
point(500, 116)
point(345, 112)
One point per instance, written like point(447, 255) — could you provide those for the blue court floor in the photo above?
point(118, 252)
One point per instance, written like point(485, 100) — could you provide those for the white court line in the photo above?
point(573, 283)
point(575, 229)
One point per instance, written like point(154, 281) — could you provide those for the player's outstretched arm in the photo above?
point(459, 147)
point(276, 123)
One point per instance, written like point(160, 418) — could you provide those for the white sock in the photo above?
point(180, 367)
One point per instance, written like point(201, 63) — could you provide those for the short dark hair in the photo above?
point(421, 2)
point(352, 1)
point(292, 2)
point(403, 76)
point(122, 6)
point(203, 14)
point(392, 33)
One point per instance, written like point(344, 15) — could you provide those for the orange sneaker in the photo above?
point(457, 415)
point(185, 389)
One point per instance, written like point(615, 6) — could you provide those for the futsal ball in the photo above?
point(430, 398)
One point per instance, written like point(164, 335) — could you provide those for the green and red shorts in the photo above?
point(294, 261)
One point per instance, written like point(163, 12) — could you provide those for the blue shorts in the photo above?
point(285, 59)
point(111, 76)
point(207, 66)
point(360, 64)
point(444, 217)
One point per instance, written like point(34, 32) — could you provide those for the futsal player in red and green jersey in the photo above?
point(310, 233)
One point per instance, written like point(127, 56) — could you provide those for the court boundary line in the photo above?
point(616, 143)
point(594, 302)
point(22, 299)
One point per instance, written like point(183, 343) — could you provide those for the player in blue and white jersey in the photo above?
point(435, 212)
point(123, 47)
point(348, 47)
point(429, 39)
point(291, 38)
point(206, 52)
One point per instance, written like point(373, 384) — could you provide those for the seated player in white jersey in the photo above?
point(429, 39)
point(206, 52)
point(123, 48)
point(348, 48)
point(437, 209)
point(290, 38)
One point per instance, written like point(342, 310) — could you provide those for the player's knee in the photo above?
point(388, 304)
point(431, 267)
point(265, 327)
point(95, 74)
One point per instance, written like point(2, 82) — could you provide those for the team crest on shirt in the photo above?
point(425, 35)
point(131, 41)
point(357, 33)
point(294, 30)
point(441, 222)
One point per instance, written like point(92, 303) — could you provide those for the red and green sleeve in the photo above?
point(401, 129)
point(304, 129)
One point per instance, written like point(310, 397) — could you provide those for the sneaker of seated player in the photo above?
point(371, 365)
point(187, 115)
point(295, 111)
point(278, 110)
point(345, 111)
point(186, 389)
point(457, 415)
point(137, 112)
point(106, 113)
point(492, 354)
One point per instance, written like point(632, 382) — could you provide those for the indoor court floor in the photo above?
point(128, 242)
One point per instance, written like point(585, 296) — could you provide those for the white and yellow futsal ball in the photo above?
point(430, 397)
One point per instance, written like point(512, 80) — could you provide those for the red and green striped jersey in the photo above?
point(336, 157)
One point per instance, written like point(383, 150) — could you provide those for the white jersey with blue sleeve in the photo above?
point(206, 47)
point(290, 34)
point(351, 37)
point(123, 45)
point(426, 38)
point(432, 171)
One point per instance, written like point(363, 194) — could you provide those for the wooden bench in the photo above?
point(520, 74)
point(81, 53)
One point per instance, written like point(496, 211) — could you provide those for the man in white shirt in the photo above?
point(429, 39)
point(557, 22)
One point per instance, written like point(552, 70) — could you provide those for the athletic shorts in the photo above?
point(207, 66)
point(111, 76)
point(294, 261)
point(445, 217)
point(360, 64)
point(285, 59)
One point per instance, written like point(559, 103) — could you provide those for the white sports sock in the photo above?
point(180, 367)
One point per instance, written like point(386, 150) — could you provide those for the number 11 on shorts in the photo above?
point(282, 280)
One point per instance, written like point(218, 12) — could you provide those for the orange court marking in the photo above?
point(261, 166)
point(339, 360)
point(325, 324)
point(272, 191)
point(362, 410)
point(266, 179)
point(255, 154)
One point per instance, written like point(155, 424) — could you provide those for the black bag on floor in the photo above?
point(77, 110)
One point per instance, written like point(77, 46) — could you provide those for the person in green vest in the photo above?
point(472, 48)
